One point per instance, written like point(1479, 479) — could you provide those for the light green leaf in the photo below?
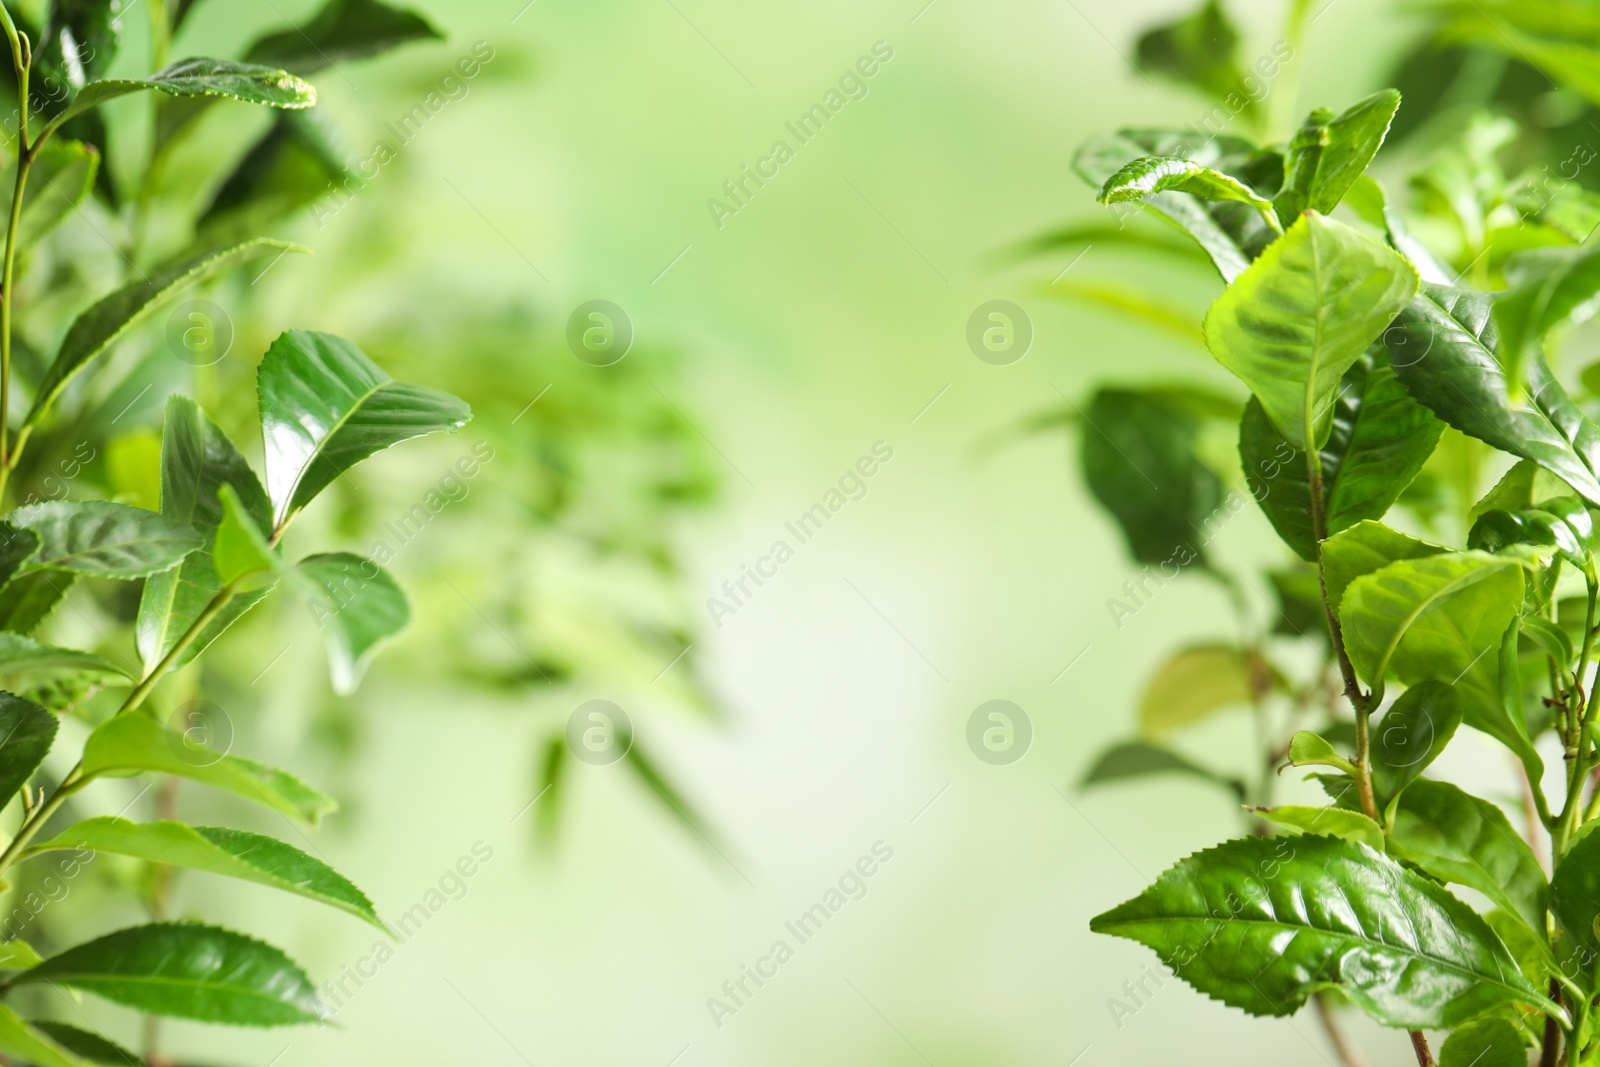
point(1364, 548)
point(232, 853)
point(326, 407)
point(1331, 822)
point(1550, 287)
point(1195, 683)
point(103, 539)
point(1307, 749)
point(197, 461)
point(1154, 174)
point(17, 955)
point(1575, 890)
point(105, 322)
point(1138, 759)
point(1410, 736)
point(189, 971)
point(1261, 924)
point(133, 744)
point(1484, 1043)
point(1293, 323)
point(358, 607)
point(1459, 838)
point(1330, 152)
point(32, 1045)
point(242, 550)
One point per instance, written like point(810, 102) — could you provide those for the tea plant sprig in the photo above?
point(211, 553)
point(1377, 381)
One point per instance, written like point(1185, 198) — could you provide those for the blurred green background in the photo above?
point(829, 713)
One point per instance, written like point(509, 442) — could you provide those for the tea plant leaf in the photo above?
point(1330, 152)
point(1364, 548)
point(248, 82)
point(343, 30)
point(1443, 346)
point(1293, 323)
point(197, 461)
point(232, 853)
point(105, 540)
point(188, 971)
point(91, 1047)
point(1410, 736)
point(1262, 924)
point(326, 407)
point(1575, 890)
point(1330, 822)
point(1154, 174)
point(1194, 684)
point(1484, 1043)
point(26, 733)
point(1379, 441)
point(112, 316)
point(1459, 838)
point(31, 1043)
point(133, 744)
point(287, 169)
point(1138, 452)
point(1199, 50)
point(63, 177)
point(242, 550)
point(1138, 759)
point(1440, 617)
point(1550, 287)
point(28, 668)
point(1307, 749)
point(18, 955)
point(29, 598)
point(357, 606)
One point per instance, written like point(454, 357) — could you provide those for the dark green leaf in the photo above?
point(1410, 736)
point(1199, 50)
point(113, 316)
point(326, 407)
point(1550, 287)
point(26, 733)
point(1484, 1043)
point(1443, 347)
point(1139, 460)
point(1261, 924)
point(1575, 890)
point(133, 744)
point(197, 460)
point(28, 599)
point(91, 1047)
point(1459, 838)
point(1293, 323)
point(290, 167)
point(343, 30)
point(232, 853)
point(79, 43)
point(104, 539)
point(32, 1044)
point(1379, 441)
point(357, 606)
point(1137, 759)
point(1330, 152)
point(199, 78)
point(189, 971)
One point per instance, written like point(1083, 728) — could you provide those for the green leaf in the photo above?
point(1154, 174)
point(1331, 822)
point(1261, 924)
point(232, 853)
point(1197, 682)
point(189, 971)
point(358, 607)
point(1550, 287)
point(242, 550)
point(104, 539)
point(91, 1047)
point(1440, 617)
point(1443, 346)
point(63, 176)
point(200, 77)
point(1364, 548)
point(1293, 323)
point(1209, 225)
point(28, 599)
point(32, 1044)
point(1307, 749)
point(289, 168)
point(32, 670)
point(1484, 1043)
point(1551, 639)
point(26, 733)
point(1139, 457)
point(343, 30)
point(1459, 838)
point(133, 744)
point(326, 407)
point(79, 42)
point(1575, 890)
point(1502, 531)
point(1199, 50)
point(1330, 152)
point(1138, 759)
point(105, 322)
point(197, 461)
point(1410, 736)
point(1379, 441)
point(18, 955)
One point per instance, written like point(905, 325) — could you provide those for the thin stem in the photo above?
point(22, 57)
point(1419, 1045)
point(1347, 1052)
